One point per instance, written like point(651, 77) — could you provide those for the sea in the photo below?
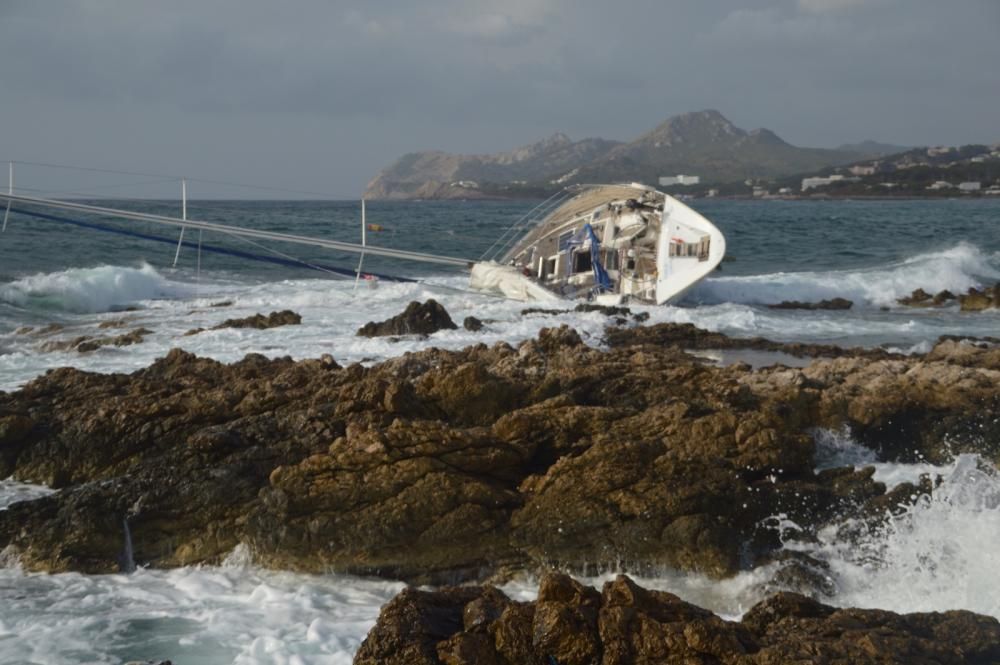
point(940, 554)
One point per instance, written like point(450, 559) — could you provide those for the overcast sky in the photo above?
point(318, 95)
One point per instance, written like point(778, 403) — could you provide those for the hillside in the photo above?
point(702, 143)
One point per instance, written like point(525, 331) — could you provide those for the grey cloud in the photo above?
point(333, 90)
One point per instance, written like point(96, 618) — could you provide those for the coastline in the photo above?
point(484, 463)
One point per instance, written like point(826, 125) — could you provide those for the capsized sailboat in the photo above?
point(610, 243)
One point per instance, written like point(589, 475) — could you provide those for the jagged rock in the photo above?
point(606, 310)
point(978, 300)
point(443, 466)
point(625, 624)
point(87, 344)
point(417, 319)
point(833, 304)
point(472, 324)
point(285, 317)
point(920, 298)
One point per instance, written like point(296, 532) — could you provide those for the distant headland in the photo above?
point(696, 154)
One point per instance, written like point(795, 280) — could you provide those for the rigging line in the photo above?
point(325, 195)
point(347, 274)
point(63, 192)
point(250, 233)
point(520, 222)
point(275, 252)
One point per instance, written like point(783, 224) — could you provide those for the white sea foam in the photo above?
point(955, 269)
point(939, 554)
point(12, 491)
point(88, 290)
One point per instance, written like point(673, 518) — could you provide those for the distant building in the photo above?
point(811, 183)
point(713, 192)
point(994, 190)
point(785, 190)
point(759, 192)
point(863, 170)
point(941, 184)
point(466, 184)
point(938, 150)
point(667, 181)
point(970, 186)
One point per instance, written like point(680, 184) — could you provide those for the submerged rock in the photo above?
point(285, 317)
point(624, 624)
point(417, 319)
point(86, 343)
point(833, 304)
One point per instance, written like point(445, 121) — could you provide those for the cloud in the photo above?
point(830, 6)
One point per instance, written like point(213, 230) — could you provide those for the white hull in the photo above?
point(610, 243)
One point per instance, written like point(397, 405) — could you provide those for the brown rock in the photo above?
point(417, 319)
point(628, 625)
point(834, 304)
point(285, 317)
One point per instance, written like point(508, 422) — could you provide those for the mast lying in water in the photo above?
point(238, 231)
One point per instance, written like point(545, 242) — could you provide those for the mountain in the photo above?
point(702, 143)
point(873, 148)
point(443, 175)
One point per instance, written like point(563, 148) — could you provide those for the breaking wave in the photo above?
point(955, 269)
point(87, 290)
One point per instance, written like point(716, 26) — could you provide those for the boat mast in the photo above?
point(10, 190)
point(364, 243)
point(240, 231)
point(184, 216)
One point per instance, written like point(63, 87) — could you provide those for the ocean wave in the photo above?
point(88, 290)
point(956, 269)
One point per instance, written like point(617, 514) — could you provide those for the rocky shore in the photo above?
point(624, 624)
point(469, 466)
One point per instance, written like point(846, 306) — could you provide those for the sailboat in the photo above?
point(609, 243)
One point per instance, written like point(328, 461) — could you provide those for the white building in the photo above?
point(810, 183)
point(667, 181)
point(941, 184)
point(970, 186)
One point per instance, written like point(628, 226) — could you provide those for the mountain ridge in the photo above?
point(703, 143)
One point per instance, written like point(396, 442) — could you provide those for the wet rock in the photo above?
point(541, 310)
point(260, 322)
point(834, 304)
point(417, 319)
point(606, 310)
point(978, 300)
point(446, 466)
point(87, 344)
point(625, 624)
point(918, 298)
point(472, 324)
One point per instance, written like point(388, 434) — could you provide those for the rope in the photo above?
point(284, 260)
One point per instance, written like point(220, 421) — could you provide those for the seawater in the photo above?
point(938, 555)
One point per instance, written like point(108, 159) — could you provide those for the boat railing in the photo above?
point(528, 221)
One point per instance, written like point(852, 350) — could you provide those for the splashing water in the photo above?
point(87, 290)
point(936, 555)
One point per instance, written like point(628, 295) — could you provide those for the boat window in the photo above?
point(548, 267)
point(581, 261)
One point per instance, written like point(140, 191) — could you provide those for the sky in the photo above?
point(318, 95)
